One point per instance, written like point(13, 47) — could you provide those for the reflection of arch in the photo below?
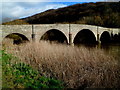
point(85, 36)
point(116, 38)
point(105, 37)
point(54, 35)
point(17, 38)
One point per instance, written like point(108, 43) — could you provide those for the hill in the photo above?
point(106, 14)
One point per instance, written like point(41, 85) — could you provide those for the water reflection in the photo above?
point(111, 49)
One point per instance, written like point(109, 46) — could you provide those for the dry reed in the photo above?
point(77, 67)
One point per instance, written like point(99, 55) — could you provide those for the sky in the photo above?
point(16, 9)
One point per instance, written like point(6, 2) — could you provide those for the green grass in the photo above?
point(16, 74)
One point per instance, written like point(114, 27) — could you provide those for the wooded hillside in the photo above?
point(106, 14)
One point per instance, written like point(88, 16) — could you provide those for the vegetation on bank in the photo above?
point(76, 67)
point(16, 74)
point(15, 22)
point(106, 14)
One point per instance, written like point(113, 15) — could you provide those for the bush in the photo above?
point(21, 75)
point(76, 67)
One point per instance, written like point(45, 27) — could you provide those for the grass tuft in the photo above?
point(76, 67)
point(21, 75)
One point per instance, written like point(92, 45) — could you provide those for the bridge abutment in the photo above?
point(98, 36)
point(70, 39)
point(33, 34)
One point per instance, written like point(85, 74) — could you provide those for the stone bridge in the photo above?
point(71, 33)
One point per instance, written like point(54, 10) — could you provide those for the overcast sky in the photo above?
point(15, 9)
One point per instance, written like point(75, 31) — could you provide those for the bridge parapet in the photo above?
point(115, 31)
point(75, 28)
point(25, 30)
point(69, 30)
point(41, 29)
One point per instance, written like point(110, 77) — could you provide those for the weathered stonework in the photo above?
point(69, 30)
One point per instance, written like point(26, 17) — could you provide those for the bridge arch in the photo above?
point(105, 37)
point(85, 36)
point(16, 37)
point(54, 35)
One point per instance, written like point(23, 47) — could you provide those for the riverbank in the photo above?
point(76, 67)
point(17, 74)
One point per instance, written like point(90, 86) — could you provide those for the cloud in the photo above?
point(24, 1)
point(60, 0)
point(51, 0)
point(14, 10)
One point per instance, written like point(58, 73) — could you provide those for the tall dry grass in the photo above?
point(77, 67)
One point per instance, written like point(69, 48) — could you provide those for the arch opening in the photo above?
point(16, 38)
point(105, 38)
point(54, 35)
point(116, 38)
point(85, 37)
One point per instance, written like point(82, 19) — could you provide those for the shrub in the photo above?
point(76, 67)
point(21, 75)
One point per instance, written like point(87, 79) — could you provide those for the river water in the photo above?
point(112, 49)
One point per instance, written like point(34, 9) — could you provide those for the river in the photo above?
point(112, 49)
